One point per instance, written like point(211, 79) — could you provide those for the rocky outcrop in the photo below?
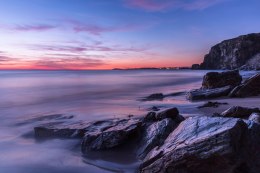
point(218, 80)
point(239, 112)
point(200, 94)
point(240, 52)
point(250, 87)
point(206, 145)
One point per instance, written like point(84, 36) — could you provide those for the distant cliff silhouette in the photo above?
point(241, 53)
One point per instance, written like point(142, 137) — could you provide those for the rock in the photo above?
point(239, 112)
point(111, 136)
point(206, 145)
point(217, 80)
point(252, 64)
point(172, 113)
point(154, 108)
point(195, 66)
point(251, 87)
point(155, 134)
point(151, 116)
point(58, 130)
point(211, 104)
point(156, 96)
point(255, 117)
point(200, 94)
point(233, 53)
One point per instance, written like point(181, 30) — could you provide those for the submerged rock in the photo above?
point(111, 135)
point(206, 145)
point(239, 112)
point(156, 96)
point(200, 94)
point(255, 117)
point(251, 87)
point(211, 104)
point(60, 130)
point(218, 80)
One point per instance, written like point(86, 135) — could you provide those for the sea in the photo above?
point(29, 98)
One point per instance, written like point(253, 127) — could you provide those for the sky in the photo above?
point(107, 34)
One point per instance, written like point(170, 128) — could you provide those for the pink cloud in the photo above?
point(69, 63)
point(41, 27)
point(162, 5)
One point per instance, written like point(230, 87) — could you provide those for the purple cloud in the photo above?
point(41, 27)
point(6, 58)
point(162, 5)
point(99, 29)
point(83, 48)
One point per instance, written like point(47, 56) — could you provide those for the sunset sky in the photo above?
point(105, 34)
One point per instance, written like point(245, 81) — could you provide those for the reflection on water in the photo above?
point(27, 96)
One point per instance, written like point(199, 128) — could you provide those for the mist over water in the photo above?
point(30, 98)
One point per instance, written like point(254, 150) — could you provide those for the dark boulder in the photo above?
point(239, 112)
point(218, 80)
point(172, 113)
point(251, 87)
point(207, 145)
point(113, 135)
point(201, 94)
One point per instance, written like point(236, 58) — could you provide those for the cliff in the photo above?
point(242, 52)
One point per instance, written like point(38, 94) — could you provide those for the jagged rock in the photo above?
point(218, 80)
point(206, 145)
point(111, 135)
point(155, 134)
point(251, 87)
point(200, 94)
point(211, 104)
point(233, 53)
point(172, 113)
point(156, 128)
point(239, 112)
point(255, 117)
